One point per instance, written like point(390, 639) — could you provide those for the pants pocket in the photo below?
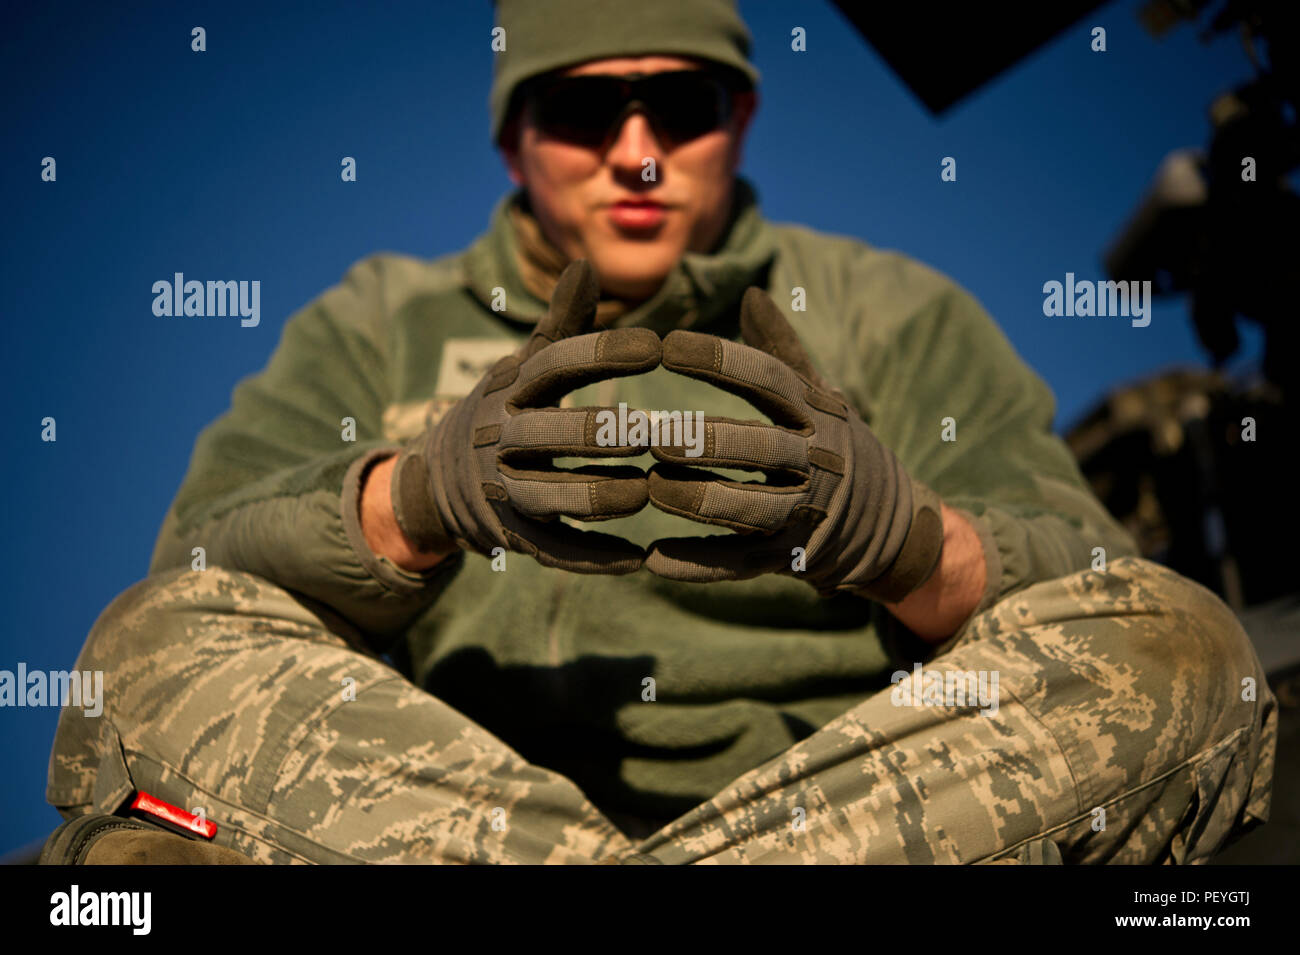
point(1220, 777)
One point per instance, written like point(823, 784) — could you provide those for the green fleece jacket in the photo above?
point(560, 665)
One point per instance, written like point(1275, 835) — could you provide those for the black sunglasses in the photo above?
point(588, 110)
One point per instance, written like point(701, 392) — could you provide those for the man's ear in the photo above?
point(744, 106)
point(511, 160)
point(509, 144)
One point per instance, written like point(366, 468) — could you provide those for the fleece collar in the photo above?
point(702, 290)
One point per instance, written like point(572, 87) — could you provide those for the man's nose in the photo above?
point(635, 143)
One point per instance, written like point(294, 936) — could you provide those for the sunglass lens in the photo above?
point(578, 110)
point(687, 104)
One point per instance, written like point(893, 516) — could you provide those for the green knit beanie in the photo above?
point(545, 35)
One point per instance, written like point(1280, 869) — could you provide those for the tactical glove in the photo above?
point(832, 488)
point(481, 477)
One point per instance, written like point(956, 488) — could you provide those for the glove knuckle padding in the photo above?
point(770, 383)
point(686, 352)
point(768, 447)
point(549, 373)
point(866, 526)
point(752, 508)
point(572, 363)
point(746, 445)
point(759, 378)
point(547, 498)
point(555, 430)
point(525, 433)
point(456, 483)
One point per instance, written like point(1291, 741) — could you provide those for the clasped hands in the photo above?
point(836, 507)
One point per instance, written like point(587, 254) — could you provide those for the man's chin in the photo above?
point(633, 276)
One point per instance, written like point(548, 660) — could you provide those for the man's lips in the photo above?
point(638, 214)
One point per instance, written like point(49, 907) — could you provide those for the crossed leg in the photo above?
point(1133, 725)
point(1121, 692)
point(227, 694)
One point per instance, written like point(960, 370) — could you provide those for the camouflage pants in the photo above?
point(1125, 732)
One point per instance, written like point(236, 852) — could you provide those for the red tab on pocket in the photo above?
point(173, 816)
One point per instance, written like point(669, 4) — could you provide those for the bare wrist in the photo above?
point(379, 523)
point(936, 609)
